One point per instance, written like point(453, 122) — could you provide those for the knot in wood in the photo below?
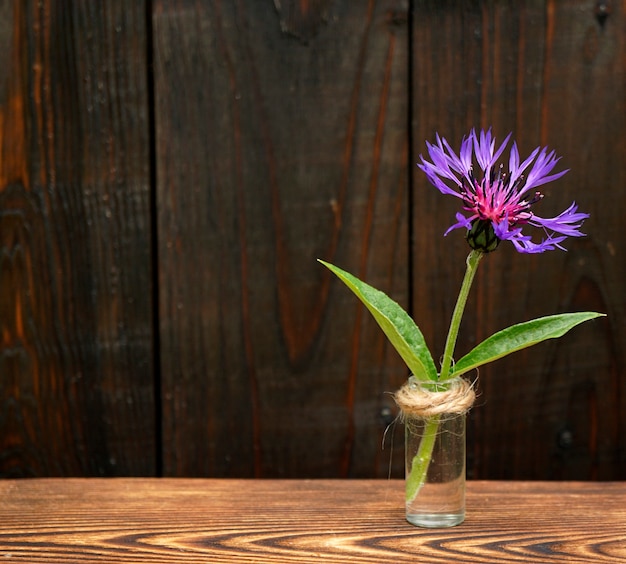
point(454, 397)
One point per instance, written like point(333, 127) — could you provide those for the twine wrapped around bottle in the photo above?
point(415, 400)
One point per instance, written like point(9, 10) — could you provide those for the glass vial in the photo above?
point(436, 485)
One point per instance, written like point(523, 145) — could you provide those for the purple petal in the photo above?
point(466, 153)
point(483, 148)
point(500, 150)
point(518, 170)
point(538, 174)
point(431, 173)
point(462, 221)
point(548, 244)
point(567, 222)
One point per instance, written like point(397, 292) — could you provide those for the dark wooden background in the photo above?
point(170, 171)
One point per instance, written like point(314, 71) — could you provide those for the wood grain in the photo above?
point(272, 134)
point(287, 144)
point(176, 521)
point(545, 71)
point(76, 369)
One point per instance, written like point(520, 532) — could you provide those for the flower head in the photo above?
point(497, 203)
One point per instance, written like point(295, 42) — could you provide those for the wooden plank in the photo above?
point(336, 521)
point(76, 369)
point(547, 72)
point(286, 142)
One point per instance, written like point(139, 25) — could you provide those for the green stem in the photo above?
point(472, 265)
point(421, 460)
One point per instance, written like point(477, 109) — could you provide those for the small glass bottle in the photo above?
point(435, 469)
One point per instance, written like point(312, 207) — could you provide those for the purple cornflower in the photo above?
point(498, 204)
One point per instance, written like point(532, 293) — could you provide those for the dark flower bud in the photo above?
point(481, 236)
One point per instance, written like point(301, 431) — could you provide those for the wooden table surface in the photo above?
point(156, 520)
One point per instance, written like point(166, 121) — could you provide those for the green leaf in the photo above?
point(400, 329)
point(519, 337)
